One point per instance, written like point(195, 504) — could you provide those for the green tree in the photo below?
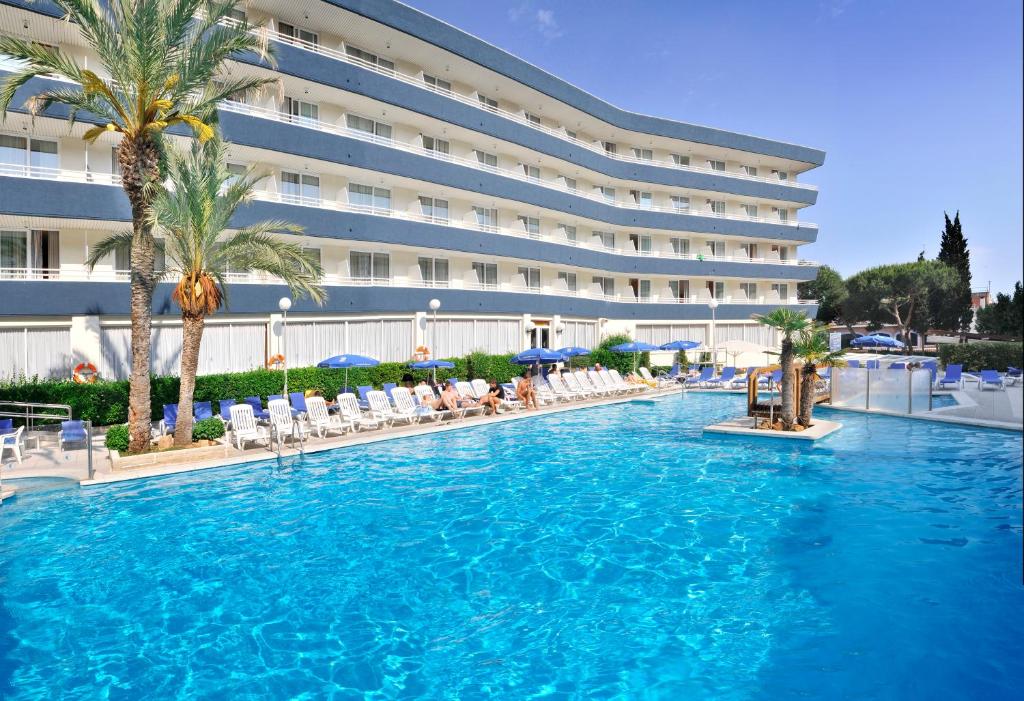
point(830, 291)
point(195, 216)
point(897, 294)
point(811, 346)
point(788, 323)
point(951, 309)
point(1005, 316)
point(161, 58)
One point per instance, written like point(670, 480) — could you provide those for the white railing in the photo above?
point(513, 116)
point(75, 176)
point(514, 174)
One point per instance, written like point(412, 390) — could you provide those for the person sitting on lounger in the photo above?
point(525, 391)
point(495, 393)
point(452, 400)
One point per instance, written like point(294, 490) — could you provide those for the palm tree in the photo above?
point(195, 216)
point(811, 346)
point(161, 58)
point(788, 323)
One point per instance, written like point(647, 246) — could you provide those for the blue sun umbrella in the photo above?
point(348, 361)
point(537, 356)
point(571, 352)
point(679, 345)
point(432, 365)
point(874, 341)
point(635, 347)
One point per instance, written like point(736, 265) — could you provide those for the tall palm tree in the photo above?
point(811, 346)
point(195, 217)
point(788, 323)
point(157, 62)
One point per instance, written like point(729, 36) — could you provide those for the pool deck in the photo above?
point(48, 461)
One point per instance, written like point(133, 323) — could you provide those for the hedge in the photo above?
point(984, 355)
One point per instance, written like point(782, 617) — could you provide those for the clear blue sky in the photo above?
point(917, 104)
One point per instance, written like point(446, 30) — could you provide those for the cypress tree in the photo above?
point(953, 312)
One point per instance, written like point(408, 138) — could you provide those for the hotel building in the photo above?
point(422, 163)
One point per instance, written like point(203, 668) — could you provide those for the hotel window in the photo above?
point(680, 203)
point(643, 154)
point(716, 289)
point(488, 103)
point(716, 165)
point(749, 289)
point(293, 32)
point(716, 206)
point(313, 253)
point(570, 280)
point(783, 213)
point(750, 170)
point(115, 163)
point(749, 250)
point(22, 151)
point(434, 270)
point(439, 147)
point(570, 134)
point(681, 247)
point(372, 59)
point(782, 288)
point(531, 225)
point(235, 172)
point(486, 217)
point(717, 247)
point(369, 266)
point(369, 126)
point(783, 251)
point(608, 193)
point(300, 186)
point(531, 276)
point(486, 273)
point(532, 172)
point(607, 238)
point(680, 288)
point(610, 147)
point(13, 253)
point(367, 196)
point(641, 199)
point(570, 231)
point(780, 174)
point(442, 85)
point(307, 111)
point(641, 288)
point(434, 208)
point(237, 15)
point(641, 242)
point(570, 183)
point(532, 118)
point(607, 285)
point(487, 159)
point(683, 161)
point(749, 209)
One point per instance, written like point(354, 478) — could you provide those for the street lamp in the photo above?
point(434, 304)
point(284, 304)
point(713, 305)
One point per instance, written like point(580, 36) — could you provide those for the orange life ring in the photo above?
point(275, 361)
point(85, 373)
point(422, 353)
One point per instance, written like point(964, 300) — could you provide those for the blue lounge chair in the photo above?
point(705, 375)
point(363, 390)
point(953, 376)
point(898, 366)
point(991, 378)
point(932, 365)
point(295, 412)
point(257, 408)
point(225, 411)
point(170, 419)
point(6, 426)
point(727, 375)
point(874, 365)
point(298, 400)
point(71, 432)
point(853, 363)
point(388, 386)
point(202, 410)
point(1013, 375)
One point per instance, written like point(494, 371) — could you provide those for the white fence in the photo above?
point(895, 391)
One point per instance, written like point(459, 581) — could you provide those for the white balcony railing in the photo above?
point(263, 195)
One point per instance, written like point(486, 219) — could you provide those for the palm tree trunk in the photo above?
point(139, 160)
point(808, 379)
point(191, 337)
point(786, 361)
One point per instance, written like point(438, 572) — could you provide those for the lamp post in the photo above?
point(713, 305)
point(434, 304)
point(284, 304)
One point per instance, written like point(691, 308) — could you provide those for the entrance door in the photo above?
point(539, 337)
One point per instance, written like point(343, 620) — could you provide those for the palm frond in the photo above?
point(107, 246)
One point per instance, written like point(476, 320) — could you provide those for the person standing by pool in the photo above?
point(525, 391)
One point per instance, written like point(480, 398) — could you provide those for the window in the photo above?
point(717, 247)
point(750, 209)
point(531, 276)
point(235, 172)
point(607, 285)
point(115, 162)
point(487, 159)
point(783, 213)
point(237, 14)
point(641, 242)
point(486, 273)
point(717, 165)
point(608, 193)
point(570, 183)
point(680, 288)
point(641, 199)
point(780, 174)
point(531, 225)
point(782, 288)
point(610, 147)
point(372, 59)
point(607, 238)
point(570, 231)
point(532, 118)
point(437, 147)
point(750, 170)
point(716, 206)
point(486, 217)
point(301, 111)
point(716, 289)
point(434, 271)
point(300, 186)
point(434, 208)
point(13, 252)
point(442, 85)
point(749, 250)
point(570, 134)
point(369, 126)
point(367, 196)
point(783, 251)
point(313, 253)
point(680, 204)
point(644, 154)
point(641, 288)
point(681, 247)
point(488, 103)
point(681, 161)
point(21, 151)
point(369, 266)
point(570, 280)
point(749, 289)
point(532, 172)
point(297, 33)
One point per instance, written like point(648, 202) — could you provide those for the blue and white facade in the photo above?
point(422, 163)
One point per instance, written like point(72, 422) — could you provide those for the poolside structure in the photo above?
point(424, 164)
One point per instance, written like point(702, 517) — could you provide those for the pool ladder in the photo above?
point(301, 439)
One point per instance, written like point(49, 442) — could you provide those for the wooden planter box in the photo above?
point(120, 462)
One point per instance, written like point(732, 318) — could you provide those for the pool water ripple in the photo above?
point(614, 552)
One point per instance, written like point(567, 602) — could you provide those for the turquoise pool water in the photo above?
point(605, 553)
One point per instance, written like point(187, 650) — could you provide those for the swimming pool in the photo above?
point(607, 552)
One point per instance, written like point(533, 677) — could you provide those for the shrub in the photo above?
point(623, 362)
point(984, 355)
point(117, 438)
point(207, 430)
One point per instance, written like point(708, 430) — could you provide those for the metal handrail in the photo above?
point(29, 415)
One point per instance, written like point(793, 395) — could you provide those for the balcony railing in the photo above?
point(514, 174)
point(551, 237)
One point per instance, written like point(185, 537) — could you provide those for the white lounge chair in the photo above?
point(620, 382)
point(405, 405)
point(352, 415)
point(585, 382)
point(574, 385)
point(380, 408)
point(14, 442)
point(466, 392)
point(599, 381)
point(283, 424)
point(544, 392)
point(320, 420)
point(244, 428)
point(559, 387)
